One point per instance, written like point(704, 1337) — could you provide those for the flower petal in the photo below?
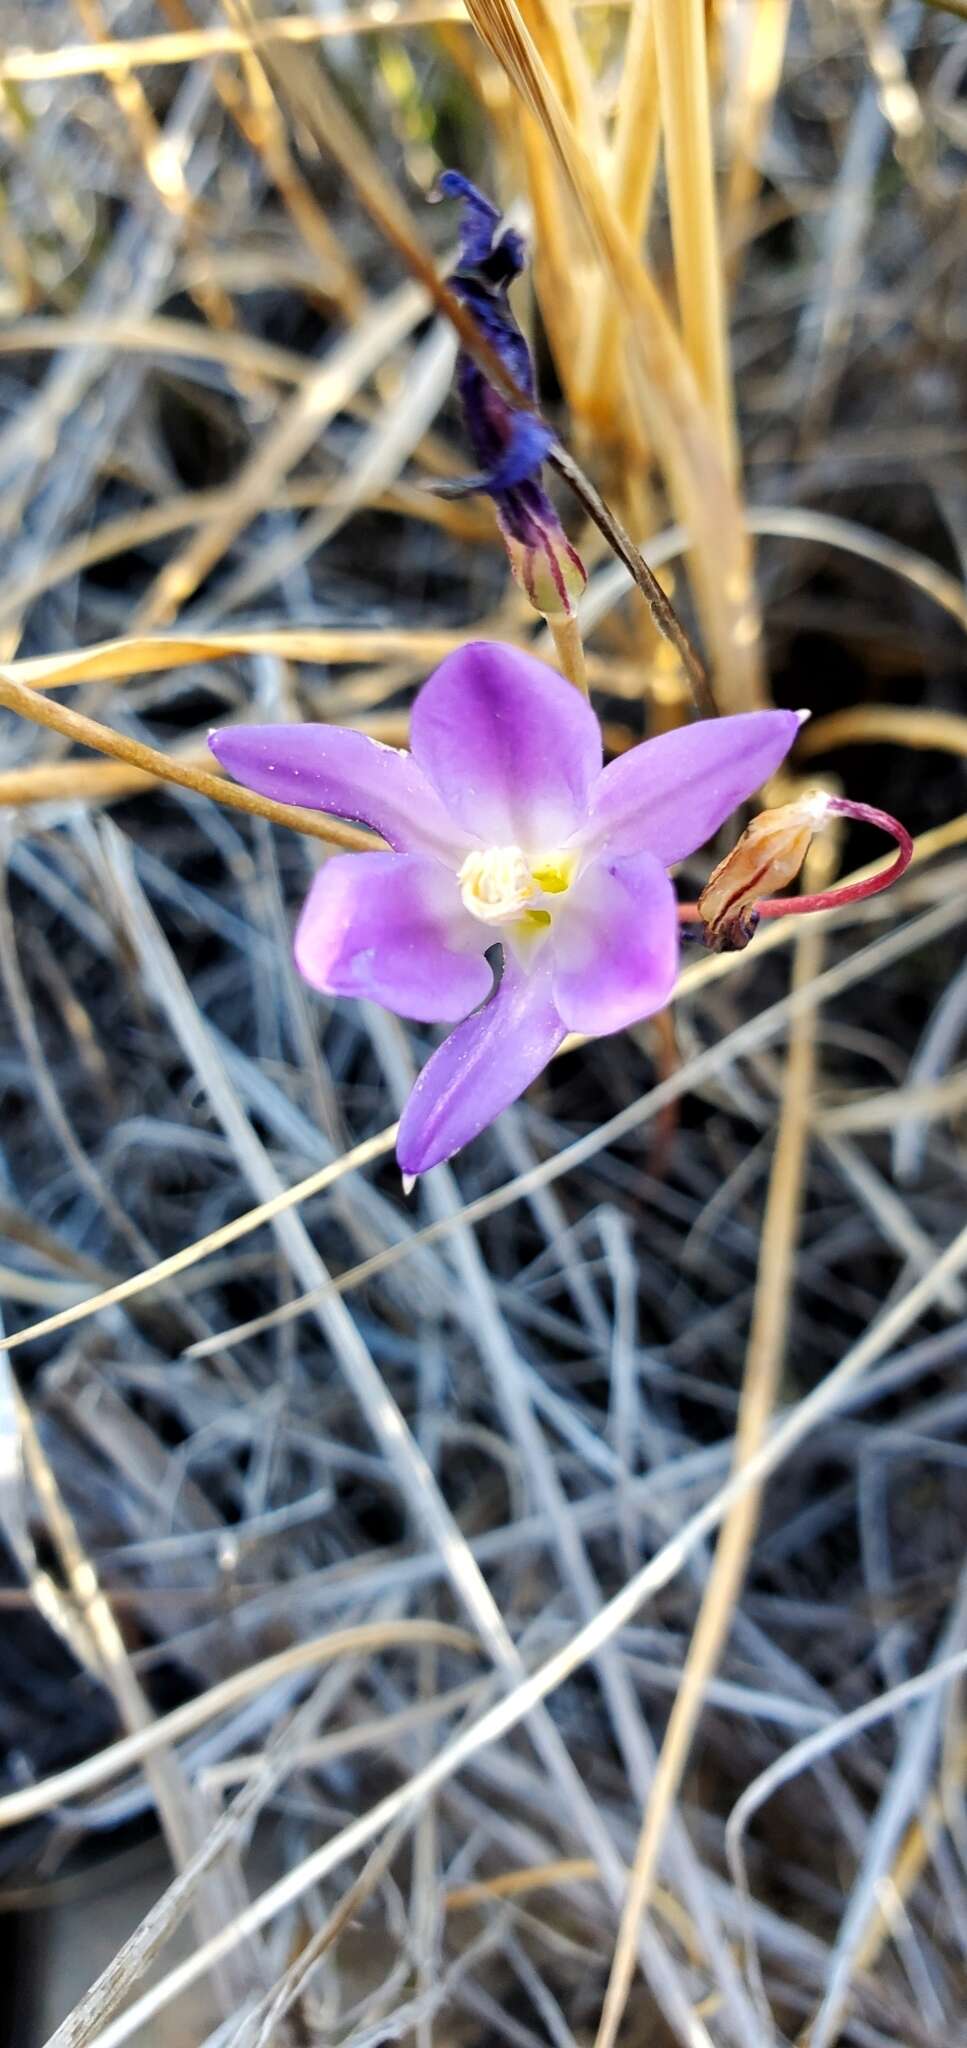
point(670, 794)
point(614, 947)
point(391, 926)
point(484, 1064)
point(529, 440)
point(332, 768)
point(479, 219)
point(518, 460)
point(510, 747)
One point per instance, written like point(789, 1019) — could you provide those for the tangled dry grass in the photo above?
point(536, 1610)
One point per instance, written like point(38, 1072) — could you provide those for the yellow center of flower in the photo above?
point(501, 884)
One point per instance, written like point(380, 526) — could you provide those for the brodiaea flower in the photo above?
point(505, 831)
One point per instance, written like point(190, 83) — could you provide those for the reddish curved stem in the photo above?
point(847, 892)
point(850, 892)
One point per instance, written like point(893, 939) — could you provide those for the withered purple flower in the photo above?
point(509, 443)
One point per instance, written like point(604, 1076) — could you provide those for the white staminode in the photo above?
point(496, 884)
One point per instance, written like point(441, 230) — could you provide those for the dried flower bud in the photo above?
point(768, 856)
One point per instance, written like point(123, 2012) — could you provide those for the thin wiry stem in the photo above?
point(623, 547)
point(88, 732)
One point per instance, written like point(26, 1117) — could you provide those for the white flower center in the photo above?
point(496, 884)
point(501, 884)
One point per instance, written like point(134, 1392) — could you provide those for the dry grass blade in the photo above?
point(82, 1779)
point(945, 730)
point(133, 53)
point(516, 1884)
point(764, 30)
point(760, 1387)
point(114, 661)
point(686, 113)
point(630, 176)
point(506, 1713)
point(244, 354)
point(338, 378)
point(88, 732)
point(377, 1147)
point(679, 427)
point(379, 1560)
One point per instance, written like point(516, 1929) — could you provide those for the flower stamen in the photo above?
point(554, 872)
point(496, 884)
point(499, 885)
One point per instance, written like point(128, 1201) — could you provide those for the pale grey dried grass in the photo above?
point(364, 1552)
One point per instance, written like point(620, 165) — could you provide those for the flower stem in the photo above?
point(621, 544)
point(565, 632)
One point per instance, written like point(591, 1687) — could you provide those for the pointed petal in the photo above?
point(484, 1064)
point(391, 927)
point(332, 768)
point(510, 747)
point(669, 795)
point(614, 948)
point(480, 216)
point(485, 260)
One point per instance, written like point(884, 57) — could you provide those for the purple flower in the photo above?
point(509, 443)
point(506, 831)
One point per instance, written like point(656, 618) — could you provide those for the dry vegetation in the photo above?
point(391, 1579)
